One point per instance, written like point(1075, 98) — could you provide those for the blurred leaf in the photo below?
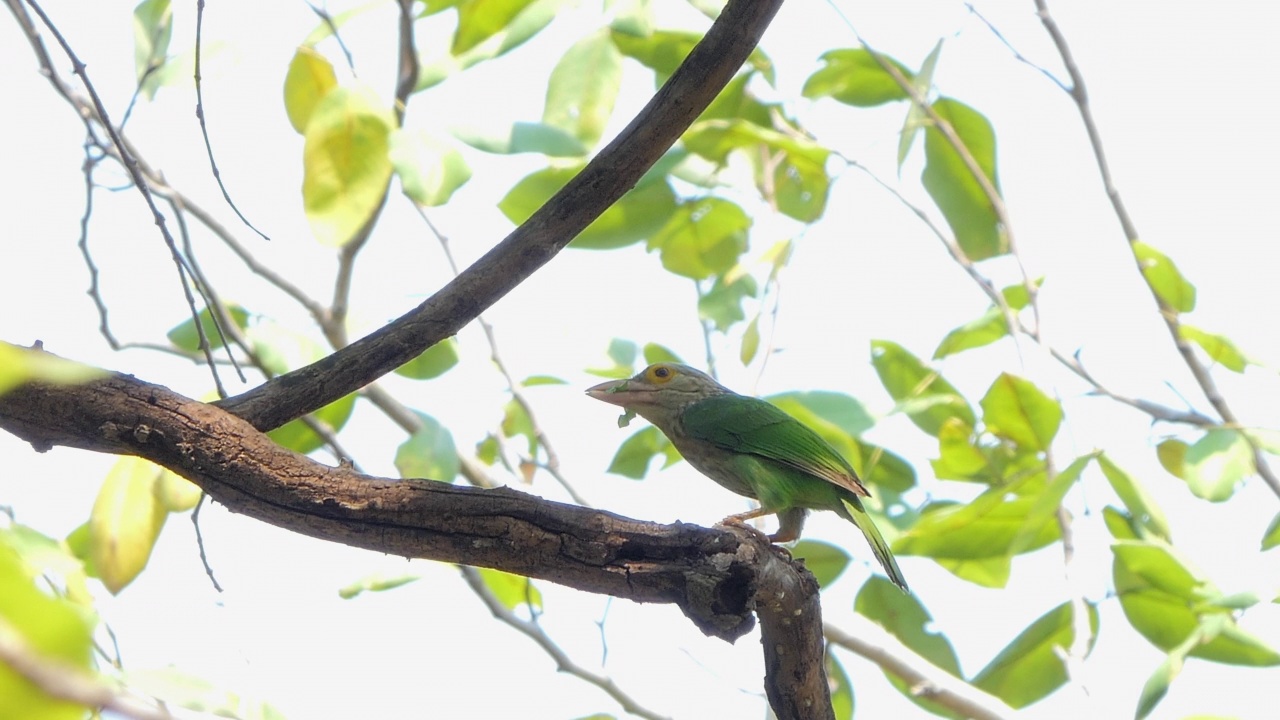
point(184, 335)
point(702, 238)
point(977, 333)
point(1172, 454)
point(952, 185)
point(176, 493)
point(522, 137)
point(1271, 537)
point(633, 457)
point(631, 17)
point(853, 77)
point(583, 87)
point(789, 170)
point(376, 583)
point(20, 365)
point(623, 354)
point(152, 31)
point(432, 362)
point(51, 628)
point(824, 560)
point(430, 170)
point(536, 380)
point(637, 216)
point(511, 590)
point(1165, 278)
point(722, 304)
point(487, 449)
point(663, 50)
point(1219, 348)
point(992, 572)
point(750, 342)
point(299, 438)
point(842, 702)
point(529, 21)
point(1015, 409)
point(309, 79)
point(517, 423)
point(906, 378)
point(907, 620)
point(125, 522)
point(1029, 668)
point(885, 469)
point(984, 528)
point(479, 20)
point(428, 453)
point(1216, 463)
point(655, 353)
point(1046, 505)
point(345, 163)
point(959, 458)
point(916, 117)
point(1141, 505)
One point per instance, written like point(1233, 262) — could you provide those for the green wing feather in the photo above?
point(750, 425)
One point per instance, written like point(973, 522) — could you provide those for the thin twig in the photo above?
point(563, 662)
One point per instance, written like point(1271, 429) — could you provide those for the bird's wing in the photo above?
point(750, 425)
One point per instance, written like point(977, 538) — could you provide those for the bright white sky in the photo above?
point(1175, 90)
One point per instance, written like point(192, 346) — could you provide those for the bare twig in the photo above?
point(1168, 314)
point(925, 679)
point(564, 663)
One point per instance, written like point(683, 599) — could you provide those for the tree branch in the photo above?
point(617, 167)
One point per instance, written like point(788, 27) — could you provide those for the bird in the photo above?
point(750, 447)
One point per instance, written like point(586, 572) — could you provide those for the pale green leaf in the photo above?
point(430, 170)
point(1219, 348)
point(378, 582)
point(346, 167)
point(702, 238)
point(824, 560)
point(511, 590)
point(309, 79)
point(428, 453)
point(583, 87)
point(852, 76)
point(299, 438)
point(432, 362)
point(1215, 464)
point(1016, 410)
point(1164, 278)
point(1031, 667)
point(952, 185)
point(1141, 505)
point(906, 378)
point(125, 522)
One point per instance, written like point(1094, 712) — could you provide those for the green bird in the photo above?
point(751, 448)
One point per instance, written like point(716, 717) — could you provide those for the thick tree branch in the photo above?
point(711, 64)
point(718, 577)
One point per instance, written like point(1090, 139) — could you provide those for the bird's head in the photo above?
point(658, 390)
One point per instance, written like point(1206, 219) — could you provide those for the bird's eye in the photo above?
point(661, 373)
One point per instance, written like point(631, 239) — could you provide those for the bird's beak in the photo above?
point(607, 391)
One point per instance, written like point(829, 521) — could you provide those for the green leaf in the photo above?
point(309, 79)
point(428, 453)
point(916, 117)
point(885, 469)
point(1046, 505)
point(722, 304)
point(517, 423)
point(536, 380)
point(1216, 463)
point(824, 560)
point(906, 378)
point(842, 702)
point(1016, 410)
point(959, 457)
point(750, 342)
point(842, 411)
point(522, 137)
point(1271, 537)
point(655, 353)
point(1165, 278)
point(985, 528)
point(1141, 505)
point(479, 20)
point(1172, 454)
point(954, 188)
point(152, 31)
point(623, 354)
point(1156, 686)
point(125, 522)
point(20, 365)
point(990, 572)
point(345, 163)
point(429, 169)
point(702, 238)
point(432, 362)
point(583, 87)
point(1030, 668)
point(643, 211)
point(376, 583)
point(633, 457)
point(528, 22)
point(184, 335)
point(176, 493)
point(1219, 348)
point(511, 590)
point(788, 170)
point(299, 438)
point(51, 628)
point(974, 334)
point(907, 620)
point(663, 50)
point(853, 77)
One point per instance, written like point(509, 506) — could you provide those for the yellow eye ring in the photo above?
point(660, 373)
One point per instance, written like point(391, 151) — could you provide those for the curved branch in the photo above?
point(617, 168)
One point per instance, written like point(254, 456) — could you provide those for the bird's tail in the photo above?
point(855, 513)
